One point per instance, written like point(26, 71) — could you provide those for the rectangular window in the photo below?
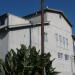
point(60, 55)
point(57, 39)
point(56, 35)
point(45, 36)
point(60, 39)
point(64, 42)
point(66, 57)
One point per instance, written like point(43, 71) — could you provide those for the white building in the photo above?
point(74, 45)
point(15, 31)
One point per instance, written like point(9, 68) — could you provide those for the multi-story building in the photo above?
point(15, 31)
point(74, 45)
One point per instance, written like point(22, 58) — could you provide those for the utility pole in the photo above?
point(42, 34)
point(42, 27)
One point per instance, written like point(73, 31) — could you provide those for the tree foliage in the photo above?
point(0, 65)
point(27, 61)
point(1, 68)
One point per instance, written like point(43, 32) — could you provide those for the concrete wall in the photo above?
point(57, 25)
point(15, 20)
point(18, 37)
point(37, 19)
point(13, 39)
point(3, 44)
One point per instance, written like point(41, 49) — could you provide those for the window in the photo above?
point(56, 35)
point(60, 39)
point(64, 42)
point(57, 39)
point(60, 55)
point(45, 36)
point(66, 57)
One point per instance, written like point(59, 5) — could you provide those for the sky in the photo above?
point(25, 7)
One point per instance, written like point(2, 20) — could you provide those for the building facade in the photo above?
point(58, 40)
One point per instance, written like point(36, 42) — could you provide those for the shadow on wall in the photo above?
point(2, 19)
point(3, 34)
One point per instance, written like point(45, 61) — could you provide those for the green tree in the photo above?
point(39, 61)
point(1, 68)
point(22, 60)
point(0, 65)
point(10, 63)
point(28, 61)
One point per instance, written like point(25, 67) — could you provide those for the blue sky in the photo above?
point(24, 7)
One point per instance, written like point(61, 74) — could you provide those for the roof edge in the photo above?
point(47, 10)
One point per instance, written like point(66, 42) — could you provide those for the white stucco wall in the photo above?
point(15, 20)
point(61, 27)
point(37, 19)
point(18, 37)
point(13, 39)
